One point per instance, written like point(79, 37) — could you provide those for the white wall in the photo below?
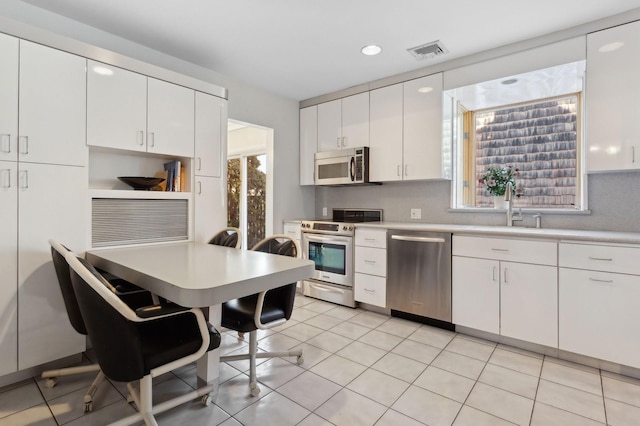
point(246, 103)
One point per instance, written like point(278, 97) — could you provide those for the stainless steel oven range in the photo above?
point(330, 245)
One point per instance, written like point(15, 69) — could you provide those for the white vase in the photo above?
point(499, 202)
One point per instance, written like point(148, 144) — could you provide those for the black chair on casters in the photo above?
point(264, 310)
point(142, 344)
point(132, 295)
point(228, 237)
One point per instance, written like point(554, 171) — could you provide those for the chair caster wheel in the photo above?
point(206, 400)
point(255, 391)
point(240, 335)
point(253, 385)
point(50, 383)
point(300, 360)
point(88, 407)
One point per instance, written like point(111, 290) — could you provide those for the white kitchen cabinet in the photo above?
point(293, 230)
point(612, 87)
point(52, 106)
point(370, 265)
point(507, 287)
point(52, 203)
point(599, 287)
point(344, 123)
point(210, 207)
point(127, 110)
point(406, 131)
point(475, 293)
point(9, 267)
point(116, 107)
point(9, 49)
point(170, 118)
point(423, 145)
point(385, 149)
point(308, 143)
point(210, 134)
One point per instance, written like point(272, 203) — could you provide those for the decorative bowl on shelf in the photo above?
point(141, 183)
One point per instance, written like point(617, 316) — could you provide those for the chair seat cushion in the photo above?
point(238, 314)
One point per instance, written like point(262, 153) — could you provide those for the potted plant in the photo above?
point(496, 180)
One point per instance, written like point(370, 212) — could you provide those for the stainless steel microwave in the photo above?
point(342, 167)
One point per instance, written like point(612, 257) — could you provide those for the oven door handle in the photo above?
point(322, 239)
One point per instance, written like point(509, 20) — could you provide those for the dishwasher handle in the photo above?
point(417, 239)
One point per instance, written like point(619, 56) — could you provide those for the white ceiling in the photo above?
point(305, 48)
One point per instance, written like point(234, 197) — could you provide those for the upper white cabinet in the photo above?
point(9, 49)
point(308, 143)
point(116, 107)
point(344, 123)
point(406, 131)
point(126, 110)
point(613, 89)
point(170, 118)
point(385, 148)
point(423, 145)
point(210, 133)
point(52, 106)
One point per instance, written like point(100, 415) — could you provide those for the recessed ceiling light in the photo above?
point(610, 47)
point(371, 50)
point(510, 81)
point(425, 89)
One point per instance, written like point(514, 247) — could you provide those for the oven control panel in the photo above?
point(328, 227)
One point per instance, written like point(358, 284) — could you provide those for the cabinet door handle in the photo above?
point(199, 163)
point(398, 170)
point(406, 170)
point(199, 187)
point(369, 239)
point(505, 276)
point(344, 141)
point(7, 173)
point(633, 154)
point(600, 281)
point(24, 145)
point(338, 142)
point(494, 273)
point(140, 137)
point(24, 179)
point(152, 138)
point(604, 259)
point(371, 262)
point(368, 290)
point(500, 250)
point(5, 141)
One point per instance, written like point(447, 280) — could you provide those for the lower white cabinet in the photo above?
point(210, 206)
point(52, 203)
point(599, 293)
point(370, 265)
point(513, 299)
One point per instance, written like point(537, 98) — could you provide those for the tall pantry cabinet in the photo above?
point(43, 175)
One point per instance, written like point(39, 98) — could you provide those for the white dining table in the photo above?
point(203, 276)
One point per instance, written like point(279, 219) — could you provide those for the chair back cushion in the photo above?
point(63, 272)
point(225, 238)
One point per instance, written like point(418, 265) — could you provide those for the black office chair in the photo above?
point(142, 344)
point(131, 294)
point(228, 237)
point(264, 310)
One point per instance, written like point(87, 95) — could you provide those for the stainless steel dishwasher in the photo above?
point(419, 273)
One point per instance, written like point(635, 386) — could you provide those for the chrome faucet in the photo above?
point(507, 197)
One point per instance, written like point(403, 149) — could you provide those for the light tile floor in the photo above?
point(360, 368)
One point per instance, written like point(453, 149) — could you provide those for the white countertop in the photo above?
point(514, 231)
point(197, 274)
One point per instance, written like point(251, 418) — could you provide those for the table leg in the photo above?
point(209, 365)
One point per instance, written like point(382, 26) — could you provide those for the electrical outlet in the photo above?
point(416, 213)
point(324, 212)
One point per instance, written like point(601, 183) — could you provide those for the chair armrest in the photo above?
point(155, 311)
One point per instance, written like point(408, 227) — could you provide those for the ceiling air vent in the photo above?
point(429, 50)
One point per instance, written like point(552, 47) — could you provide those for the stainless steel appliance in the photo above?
point(330, 245)
point(342, 167)
point(419, 273)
